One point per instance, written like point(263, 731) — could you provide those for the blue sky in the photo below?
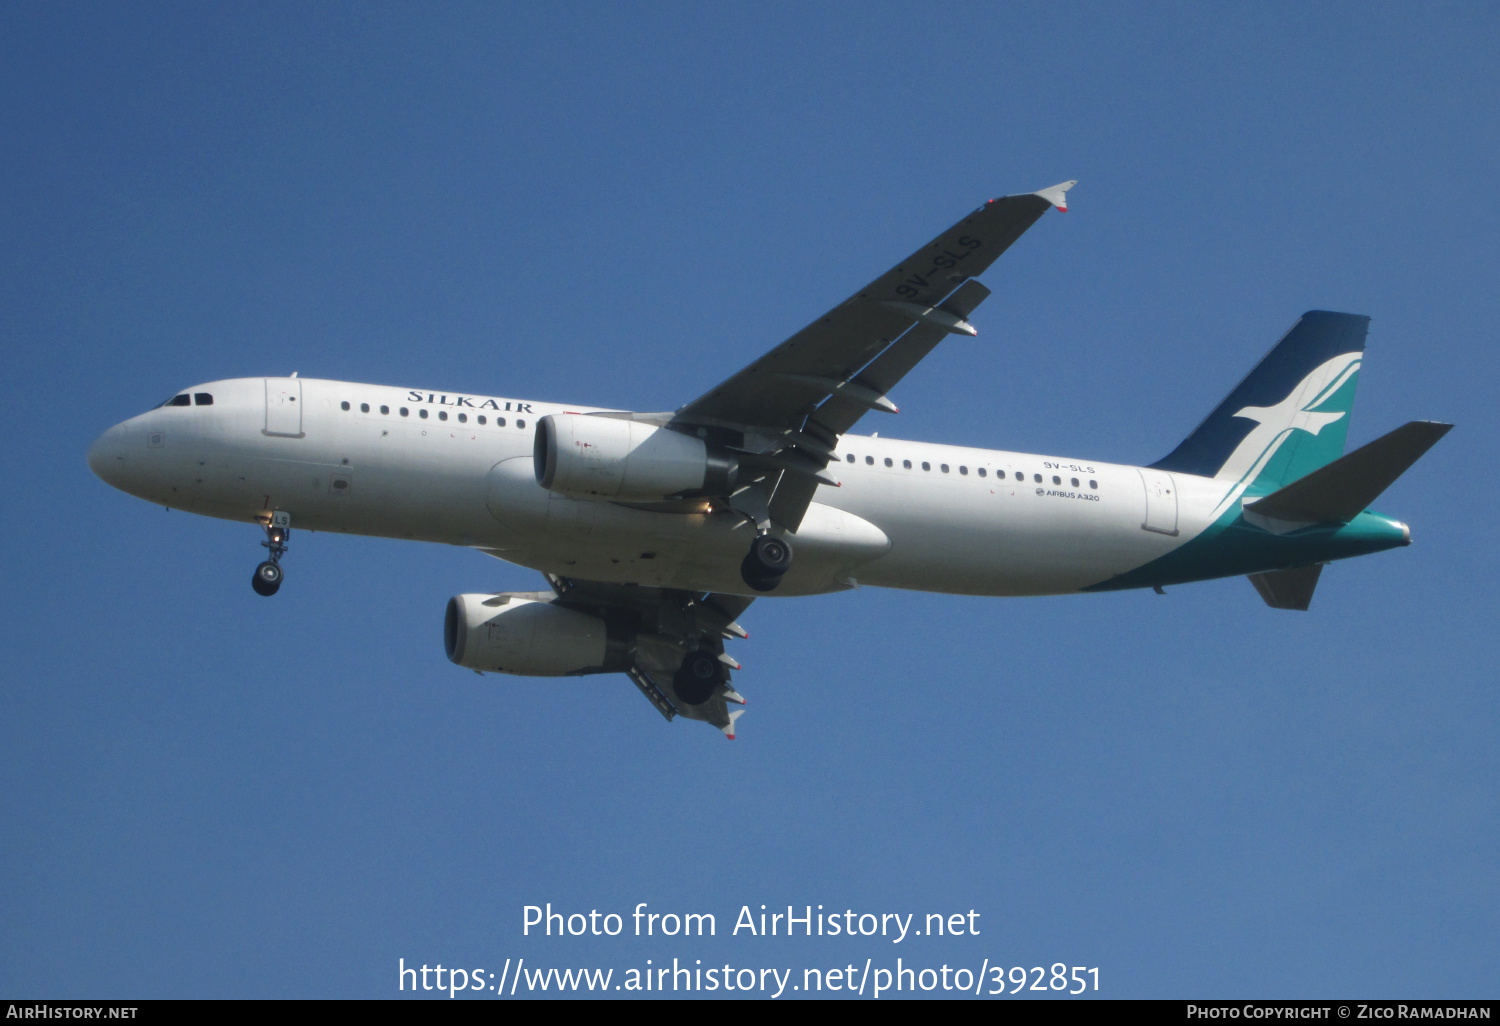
point(205, 793)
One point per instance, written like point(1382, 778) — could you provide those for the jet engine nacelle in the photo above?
point(526, 635)
point(591, 457)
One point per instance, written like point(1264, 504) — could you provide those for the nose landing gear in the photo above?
point(268, 575)
point(267, 578)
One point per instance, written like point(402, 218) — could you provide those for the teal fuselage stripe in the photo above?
point(1232, 547)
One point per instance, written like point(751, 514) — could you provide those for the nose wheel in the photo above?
point(267, 578)
point(268, 575)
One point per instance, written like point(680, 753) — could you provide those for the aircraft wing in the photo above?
point(789, 407)
point(783, 386)
point(665, 622)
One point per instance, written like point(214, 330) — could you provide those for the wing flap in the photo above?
point(794, 493)
point(664, 623)
point(838, 414)
point(789, 502)
point(654, 694)
point(657, 659)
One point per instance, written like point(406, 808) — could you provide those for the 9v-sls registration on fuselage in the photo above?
point(656, 530)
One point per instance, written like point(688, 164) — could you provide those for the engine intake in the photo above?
point(513, 633)
point(589, 457)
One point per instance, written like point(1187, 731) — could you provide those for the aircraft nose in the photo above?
point(107, 456)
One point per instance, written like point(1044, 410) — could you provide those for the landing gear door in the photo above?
point(1161, 501)
point(284, 407)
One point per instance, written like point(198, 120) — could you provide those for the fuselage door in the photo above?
point(284, 407)
point(1161, 501)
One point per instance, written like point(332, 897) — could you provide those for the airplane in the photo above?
point(655, 531)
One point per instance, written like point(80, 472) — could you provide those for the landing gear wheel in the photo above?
point(766, 563)
point(268, 575)
point(267, 579)
point(698, 678)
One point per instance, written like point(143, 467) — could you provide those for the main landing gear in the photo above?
point(698, 677)
point(767, 562)
point(267, 579)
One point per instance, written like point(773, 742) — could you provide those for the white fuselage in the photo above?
point(907, 515)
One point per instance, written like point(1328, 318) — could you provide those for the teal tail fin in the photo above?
point(1291, 413)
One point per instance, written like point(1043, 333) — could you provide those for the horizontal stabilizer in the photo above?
point(1341, 490)
point(1288, 589)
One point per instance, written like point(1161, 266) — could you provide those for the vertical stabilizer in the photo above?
point(1289, 416)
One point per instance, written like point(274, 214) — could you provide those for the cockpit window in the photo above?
point(179, 400)
point(203, 399)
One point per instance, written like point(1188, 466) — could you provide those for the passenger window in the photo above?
point(981, 471)
point(943, 467)
point(999, 475)
point(1075, 482)
point(404, 411)
point(850, 457)
point(1093, 484)
point(463, 418)
point(481, 418)
point(926, 465)
point(1037, 478)
point(364, 407)
point(869, 461)
point(499, 421)
point(422, 414)
point(1056, 480)
point(203, 399)
point(180, 400)
point(385, 409)
point(906, 464)
point(343, 406)
point(521, 424)
point(442, 414)
point(888, 462)
point(964, 471)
